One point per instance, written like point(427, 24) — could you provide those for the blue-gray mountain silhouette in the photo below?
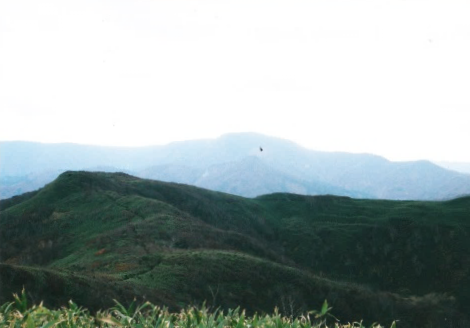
point(234, 163)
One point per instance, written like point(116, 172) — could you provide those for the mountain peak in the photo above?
point(28, 167)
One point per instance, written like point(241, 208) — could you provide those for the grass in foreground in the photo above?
point(17, 314)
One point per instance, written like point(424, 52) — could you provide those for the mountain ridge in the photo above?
point(296, 169)
point(178, 240)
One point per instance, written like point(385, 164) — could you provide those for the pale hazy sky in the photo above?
point(385, 77)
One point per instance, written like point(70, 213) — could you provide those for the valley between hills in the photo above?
point(95, 236)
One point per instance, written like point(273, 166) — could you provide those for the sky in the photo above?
point(389, 77)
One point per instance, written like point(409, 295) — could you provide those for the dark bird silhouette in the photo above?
point(260, 149)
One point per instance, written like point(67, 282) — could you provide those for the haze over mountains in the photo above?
point(456, 166)
point(234, 163)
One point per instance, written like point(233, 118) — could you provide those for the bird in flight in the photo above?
point(260, 148)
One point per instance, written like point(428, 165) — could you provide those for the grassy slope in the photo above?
point(179, 244)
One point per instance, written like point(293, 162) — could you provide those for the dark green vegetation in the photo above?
point(93, 237)
point(19, 314)
point(234, 164)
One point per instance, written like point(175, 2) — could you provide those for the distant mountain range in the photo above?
point(235, 164)
point(461, 167)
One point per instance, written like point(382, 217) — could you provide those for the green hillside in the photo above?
point(98, 236)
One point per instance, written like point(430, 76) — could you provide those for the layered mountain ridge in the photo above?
point(98, 236)
point(235, 164)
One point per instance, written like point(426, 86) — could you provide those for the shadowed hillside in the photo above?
point(177, 244)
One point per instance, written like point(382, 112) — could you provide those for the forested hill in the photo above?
point(97, 236)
